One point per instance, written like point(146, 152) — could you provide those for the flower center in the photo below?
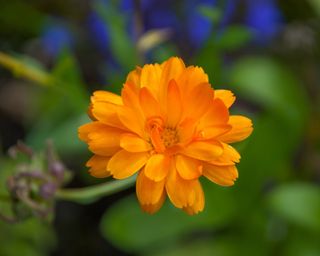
point(169, 137)
point(161, 137)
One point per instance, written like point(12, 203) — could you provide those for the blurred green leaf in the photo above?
point(211, 13)
point(12, 23)
point(298, 203)
point(272, 86)
point(121, 44)
point(60, 109)
point(233, 37)
point(29, 238)
point(127, 227)
point(316, 5)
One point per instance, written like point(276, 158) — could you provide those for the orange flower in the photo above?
point(170, 127)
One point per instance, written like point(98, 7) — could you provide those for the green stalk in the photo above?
point(91, 194)
point(21, 69)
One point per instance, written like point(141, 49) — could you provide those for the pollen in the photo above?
point(169, 137)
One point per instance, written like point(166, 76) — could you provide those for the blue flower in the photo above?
point(264, 18)
point(56, 36)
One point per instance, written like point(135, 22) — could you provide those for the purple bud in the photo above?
point(57, 169)
point(47, 190)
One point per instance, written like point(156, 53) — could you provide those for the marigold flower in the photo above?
point(171, 128)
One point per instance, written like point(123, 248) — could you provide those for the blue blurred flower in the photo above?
point(265, 19)
point(56, 36)
point(99, 32)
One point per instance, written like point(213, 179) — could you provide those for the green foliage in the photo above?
point(61, 109)
point(131, 229)
point(298, 203)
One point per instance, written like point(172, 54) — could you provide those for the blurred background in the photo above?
point(54, 54)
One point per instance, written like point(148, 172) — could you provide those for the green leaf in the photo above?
point(127, 227)
point(121, 44)
point(60, 108)
point(297, 203)
point(212, 13)
point(29, 238)
point(272, 86)
point(234, 37)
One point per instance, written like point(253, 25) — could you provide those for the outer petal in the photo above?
point(106, 142)
point(188, 168)
point(157, 167)
point(151, 77)
point(198, 101)
point(241, 129)
point(107, 113)
point(106, 97)
point(203, 150)
point(152, 208)
point(134, 143)
point(222, 175)
point(217, 114)
point(124, 164)
point(134, 77)
point(148, 191)
point(85, 129)
point(199, 200)
point(226, 96)
point(183, 193)
point(98, 166)
point(230, 156)
point(171, 70)
point(190, 77)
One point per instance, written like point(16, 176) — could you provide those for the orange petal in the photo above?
point(203, 150)
point(191, 77)
point(226, 96)
point(150, 77)
point(133, 143)
point(171, 70)
point(134, 77)
point(85, 129)
point(241, 129)
point(98, 166)
point(157, 167)
point(187, 167)
point(106, 97)
point(107, 113)
point(105, 142)
point(174, 104)
point(152, 208)
point(148, 191)
point(221, 175)
point(228, 157)
point(130, 96)
point(187, 129)
point(132, 120)
point(214, 131)
point(198, 101)
point(182, 193)
point(149, 104)
point(124, 164)
point(199, 201)
point(217, 114)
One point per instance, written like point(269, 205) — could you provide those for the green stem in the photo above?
point(90, 194)
point(19, 68)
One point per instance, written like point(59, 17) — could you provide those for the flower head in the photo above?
point(169, 126)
